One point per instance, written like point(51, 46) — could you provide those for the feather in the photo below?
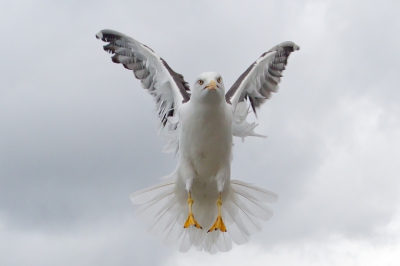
point(250, 222)
point(185, 243)
point(175, 231)
point(150, 209)
point(152, 193)
point(254, 192)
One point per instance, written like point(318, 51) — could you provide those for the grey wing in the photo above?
point(257, 84)
point(169, 88)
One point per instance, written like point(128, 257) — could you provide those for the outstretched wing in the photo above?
point(169, 88)
point(256, 84)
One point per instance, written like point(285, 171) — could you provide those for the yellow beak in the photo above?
point(212, 85)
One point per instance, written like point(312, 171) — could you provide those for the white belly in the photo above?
point(205, 140)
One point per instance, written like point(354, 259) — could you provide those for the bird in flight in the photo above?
point(200, 205)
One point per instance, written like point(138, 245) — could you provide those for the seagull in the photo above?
point(198, 204)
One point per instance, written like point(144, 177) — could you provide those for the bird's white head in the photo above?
point(209, 88)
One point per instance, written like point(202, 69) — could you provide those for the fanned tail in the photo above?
point(160, 210)
point(164, 209)
point(247, 205)
point(242, 209)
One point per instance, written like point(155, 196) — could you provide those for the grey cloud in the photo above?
point(78, 134)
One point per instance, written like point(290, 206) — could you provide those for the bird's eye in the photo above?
point(219, 80)
point(201, 82)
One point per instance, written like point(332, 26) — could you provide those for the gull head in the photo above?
point(208, 88)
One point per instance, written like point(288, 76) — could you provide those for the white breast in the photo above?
point(205, 142)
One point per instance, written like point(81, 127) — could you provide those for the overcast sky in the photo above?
point(78, 133)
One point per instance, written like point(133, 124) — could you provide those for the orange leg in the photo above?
point(219, 223)
point(190, 220)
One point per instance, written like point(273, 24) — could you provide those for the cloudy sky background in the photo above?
point(78, 133)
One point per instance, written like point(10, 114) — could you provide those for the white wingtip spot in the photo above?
point(99, 35)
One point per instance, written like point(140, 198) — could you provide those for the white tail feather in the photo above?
point(148, 194)
point(165, 211)
point(253, 192)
